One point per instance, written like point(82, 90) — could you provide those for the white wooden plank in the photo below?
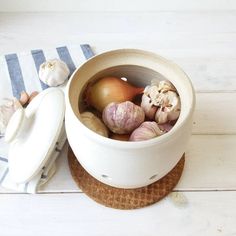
point(210, 163)
point(208, 213)
point(122, 5)
point(215, 113)
point(201, 24)
point(206, 53)
point(168, 29)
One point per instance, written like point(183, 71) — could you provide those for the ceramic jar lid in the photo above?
point(33, 132)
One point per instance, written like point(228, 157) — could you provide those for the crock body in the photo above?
point(128, 164)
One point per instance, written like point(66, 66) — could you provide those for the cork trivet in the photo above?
point(123, 198)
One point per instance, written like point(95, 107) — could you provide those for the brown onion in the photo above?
point(110, 89)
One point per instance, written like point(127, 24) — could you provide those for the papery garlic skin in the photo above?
point(147, 130)
point(7, 109)
point(123, 118)
point(166, 127)
point(53, 72)
point(94, 123)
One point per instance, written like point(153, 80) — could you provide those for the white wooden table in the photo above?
point(203, 43)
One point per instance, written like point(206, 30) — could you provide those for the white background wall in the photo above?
point(112, 5)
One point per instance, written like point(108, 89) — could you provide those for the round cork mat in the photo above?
point(123, 198)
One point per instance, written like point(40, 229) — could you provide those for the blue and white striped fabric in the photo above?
point(19, 72)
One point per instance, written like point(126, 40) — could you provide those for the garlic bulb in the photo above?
point(123, 118)
point(6, 111)
point(53, 72)
point(161, 102)
point(145, 131)
point(94, 123)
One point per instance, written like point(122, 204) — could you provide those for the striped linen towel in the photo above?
point(19, 72)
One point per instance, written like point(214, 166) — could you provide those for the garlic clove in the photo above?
point(169, 107)
point(175, 106)
point(153, 93)
point(24, 97)
point(147, 130)
point(33, 95)
point(7, 109)
point(148, 108)
point(94, 123)
point(173, 113)
point(149, 100)
point(53, 72)
point(161, 116)
point(123, 118)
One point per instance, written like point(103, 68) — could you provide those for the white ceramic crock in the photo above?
point(128, 164)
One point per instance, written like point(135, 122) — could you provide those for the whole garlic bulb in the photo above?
point(53, 72)
point(6, 111)
point(94, 123)
point(145, 131)
point(123, 118)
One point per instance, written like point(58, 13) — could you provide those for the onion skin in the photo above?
point(110, 89)
point(120, 137)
